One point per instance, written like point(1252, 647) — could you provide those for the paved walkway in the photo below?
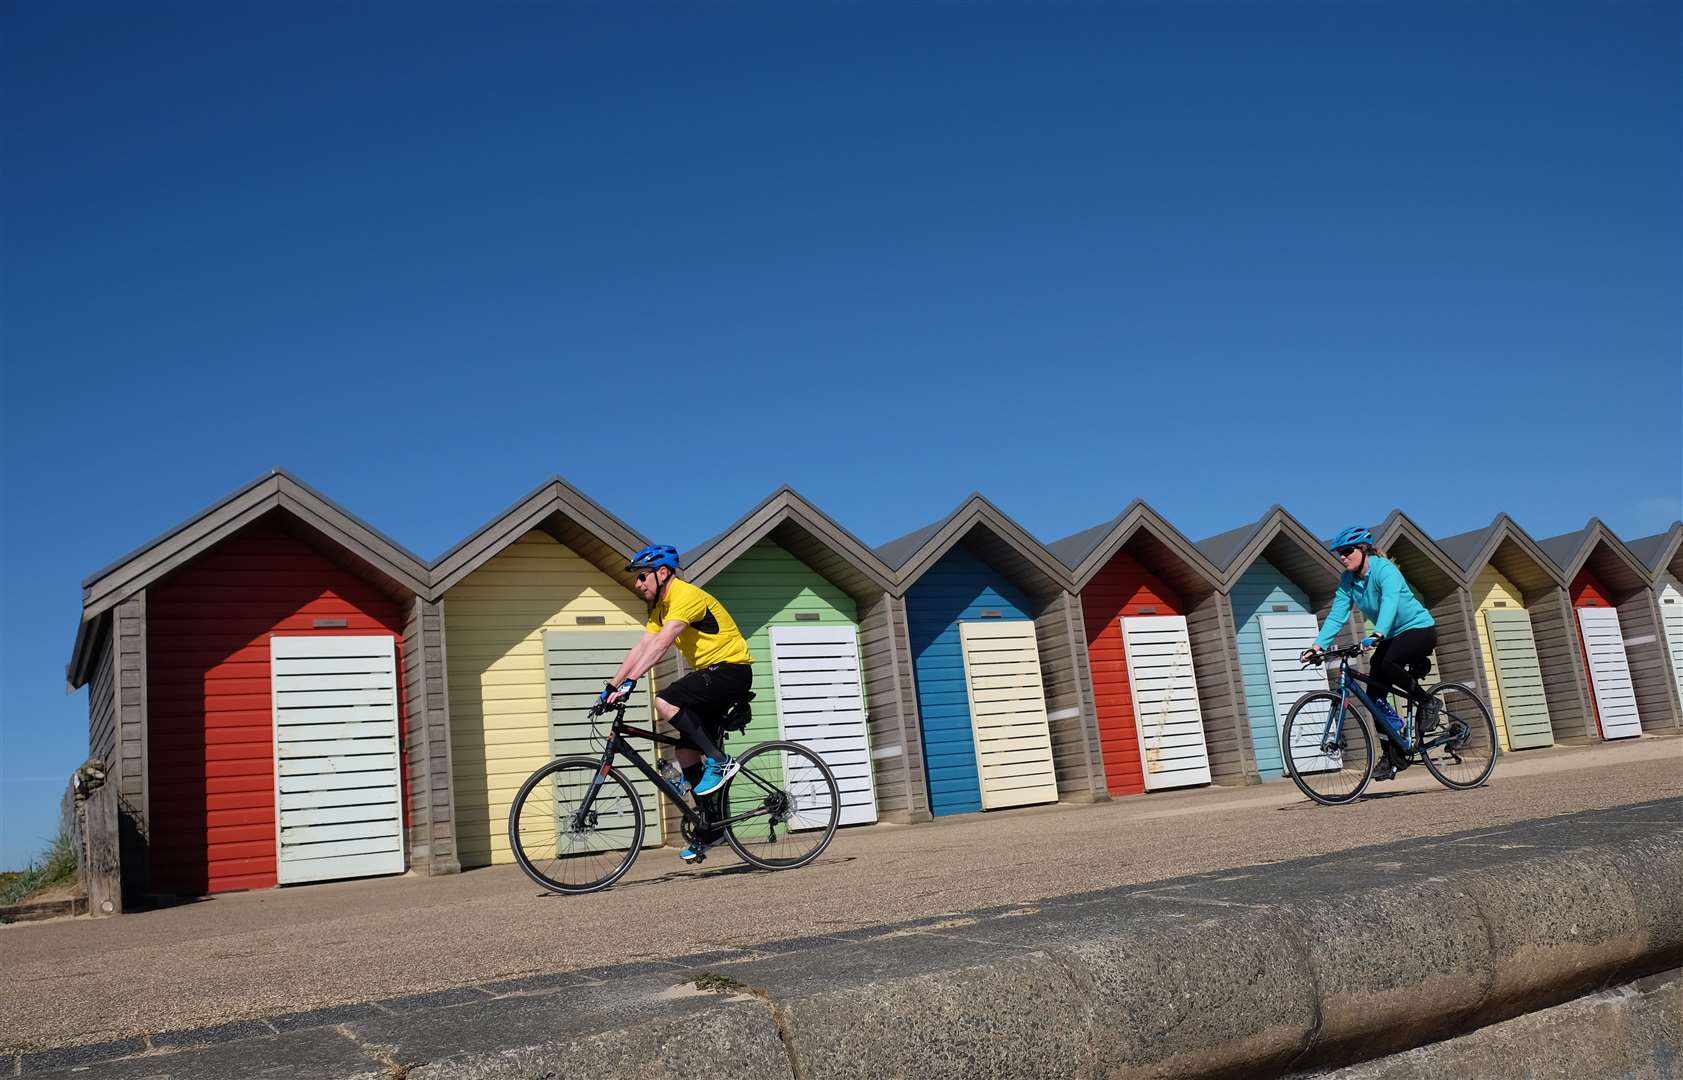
point(262, 954)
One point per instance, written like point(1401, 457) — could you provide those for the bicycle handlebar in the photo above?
point(1338, 654)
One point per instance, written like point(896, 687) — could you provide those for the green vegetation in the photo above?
point(55, 866)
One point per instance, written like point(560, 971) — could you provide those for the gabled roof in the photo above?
point(1298, 553)
point(1087, 552)
point(1433, 571)
point(999, 540)
point(397, 570)
point(1599, 549)
point(558, 508)
point(1657, 552)
point(1502, 542)
point(810, 534)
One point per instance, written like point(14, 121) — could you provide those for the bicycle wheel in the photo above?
point(567, 852)
point(1328, 748)
point(1458, 739)
point(794, 801)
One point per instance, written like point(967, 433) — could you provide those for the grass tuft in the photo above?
point(55, 866)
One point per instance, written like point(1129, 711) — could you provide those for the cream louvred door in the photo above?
point(1169, 722)
point(338, 784)
point(1519, 678)
point(574, 661)
point(1008, 713)
point(1615, 694)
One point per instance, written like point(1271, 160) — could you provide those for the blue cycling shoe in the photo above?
point(715, 776)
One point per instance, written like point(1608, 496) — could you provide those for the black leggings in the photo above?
point(1401, 661)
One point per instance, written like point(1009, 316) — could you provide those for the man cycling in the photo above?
point(1405, 630)
point(721, 672)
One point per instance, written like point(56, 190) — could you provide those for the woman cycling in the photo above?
point(1403, 628)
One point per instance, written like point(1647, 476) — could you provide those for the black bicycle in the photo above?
point(1329, 744)
point(576, 825)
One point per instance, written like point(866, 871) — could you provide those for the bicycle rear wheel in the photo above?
point(1328, 748)
point(1457, 736)
point(794, 801)
point(567, 851)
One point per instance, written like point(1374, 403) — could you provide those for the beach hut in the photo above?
point(1162, 655)
point(1279, 581)
point(999, 664)
point(1662, 553)
point(831, 670)
point(538, 612)
point(258, 701)
point(1618, 622)
point(1527, 642)
point(1441, 587)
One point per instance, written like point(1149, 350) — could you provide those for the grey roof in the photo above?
point(397, 569)
point(164, 537)
point(1077, 546)
point(1563, 549)
point(1400, 524)
point(1464, 547)
point(786, 504)
point(1222, 548)
point(904, 554)
point(895, 553)
point(1658, 550)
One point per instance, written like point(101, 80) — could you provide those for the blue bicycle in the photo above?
point(1330, 744)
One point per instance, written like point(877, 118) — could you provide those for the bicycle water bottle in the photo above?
point(671, 774)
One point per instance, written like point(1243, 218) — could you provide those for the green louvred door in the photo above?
point(576, 662)
point(1519, 678)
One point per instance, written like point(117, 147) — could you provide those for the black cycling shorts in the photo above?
point(709, 692)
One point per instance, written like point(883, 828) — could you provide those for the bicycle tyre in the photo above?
point(523, 839)
point(1300, 746)
point(1481, 729)
point(814, 798)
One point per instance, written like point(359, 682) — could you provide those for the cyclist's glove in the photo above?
point(610, 690)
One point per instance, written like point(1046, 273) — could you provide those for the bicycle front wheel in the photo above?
point(789, 806)
point(1328, 748)
point(565, 847)
point(1458, 736)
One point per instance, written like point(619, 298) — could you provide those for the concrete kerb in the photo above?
point(1312, 964)
point(1228, 979)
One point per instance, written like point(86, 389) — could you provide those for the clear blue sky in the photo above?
point(1337, 256)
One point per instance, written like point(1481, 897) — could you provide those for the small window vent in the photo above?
point(1500, 603)
point(1148, 611)
point(330, 624)
point(993, 614)
point(593, 620)
point(806, 616)
point(1282, 607)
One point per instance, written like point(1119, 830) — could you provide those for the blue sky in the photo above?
point(1341, 257)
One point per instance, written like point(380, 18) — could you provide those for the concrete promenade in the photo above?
point(885, 906)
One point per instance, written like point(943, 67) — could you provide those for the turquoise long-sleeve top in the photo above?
point(1382, 595)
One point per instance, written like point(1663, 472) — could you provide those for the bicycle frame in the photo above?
point(619, 736)
point(1350, 684)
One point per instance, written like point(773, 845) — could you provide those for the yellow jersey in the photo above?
point(711, 636)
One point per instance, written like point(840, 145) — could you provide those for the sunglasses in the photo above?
point(1344, 552)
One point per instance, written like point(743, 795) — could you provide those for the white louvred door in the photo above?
point(338, 788)
point(1284, 637)
point(1615, 695)
point(821, 704)
point(1008, 713)
point(1167, 718)
point(1671, 619)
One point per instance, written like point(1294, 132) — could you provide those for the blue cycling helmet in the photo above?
point(654, 556)
point(1354, 536)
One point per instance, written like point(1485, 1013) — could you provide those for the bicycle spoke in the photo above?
point(566, 846)
point(787, 822)
point(1462, 750)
